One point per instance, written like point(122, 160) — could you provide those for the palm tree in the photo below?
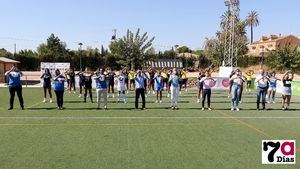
point(252, 21)
point(224, 19)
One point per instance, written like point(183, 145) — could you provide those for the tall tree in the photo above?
point(252, 21)
point(53, 50)
point(132, 48)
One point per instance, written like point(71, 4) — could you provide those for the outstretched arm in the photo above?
point(7, 73)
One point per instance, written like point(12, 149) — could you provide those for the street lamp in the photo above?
point(227, 2)
point(80, 55)
point(262, 59)
point(176, 47)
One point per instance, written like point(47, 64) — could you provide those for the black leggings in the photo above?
point(111, 85)
point(206, 93)
point(59, 98)
point(86, 91)
point(12, 91)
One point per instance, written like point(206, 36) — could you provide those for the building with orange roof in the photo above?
point(272, 43)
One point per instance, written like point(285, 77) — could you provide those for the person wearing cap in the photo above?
point(15, 86)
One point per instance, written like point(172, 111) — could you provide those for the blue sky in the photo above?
point(183, 22)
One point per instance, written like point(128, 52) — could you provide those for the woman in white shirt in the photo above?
point(208, 82)
point(236, 89)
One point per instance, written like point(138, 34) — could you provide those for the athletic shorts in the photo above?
point(200, 85)
point(272, 88)
point(132, 81)
point(159, 89)
point(287, 91)
point(121, 88)
point(151, 81)
point(47, 86)
point(249, 82)
point(88, 86)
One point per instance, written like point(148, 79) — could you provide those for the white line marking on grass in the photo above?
point(136, 117)
point(125, 124)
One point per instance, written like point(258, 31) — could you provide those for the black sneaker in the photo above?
point(10, 108)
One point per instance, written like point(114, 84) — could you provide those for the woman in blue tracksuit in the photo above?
point(59, 88)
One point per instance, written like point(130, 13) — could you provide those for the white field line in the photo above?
point(136, 117)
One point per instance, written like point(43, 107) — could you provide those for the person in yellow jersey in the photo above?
point(131, 75)
point(184, 79)
point(164, 75)
point(67, 73)
point(249, 76)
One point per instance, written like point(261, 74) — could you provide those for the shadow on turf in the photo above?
point(94, 108)
point(159, 108)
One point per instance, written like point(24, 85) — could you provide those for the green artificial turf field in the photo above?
point(80, 137)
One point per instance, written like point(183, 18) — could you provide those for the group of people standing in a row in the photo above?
point(157, 81)
point(105, 80)
point(266, 88)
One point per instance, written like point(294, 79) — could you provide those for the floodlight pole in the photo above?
point(230, 48)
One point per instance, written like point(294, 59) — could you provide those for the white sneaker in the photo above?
point(209, 109)
point(228, 96)
point(80, 96)
point(202, 109)
point(273, 102)
point(153, 92)
point(168, 95)
point(232, 109)
point(51, 101)
point(160, 101)
point(237, 109)
point(113, 95)
point(180, 92)
point(74, 92)
point(125, 102)
point(127, 91)
point(156, 101)
point(185, 90)
point(269, 102)
point(241, 102)
point(198, 101)
point(44, 101)
point(146, 96)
